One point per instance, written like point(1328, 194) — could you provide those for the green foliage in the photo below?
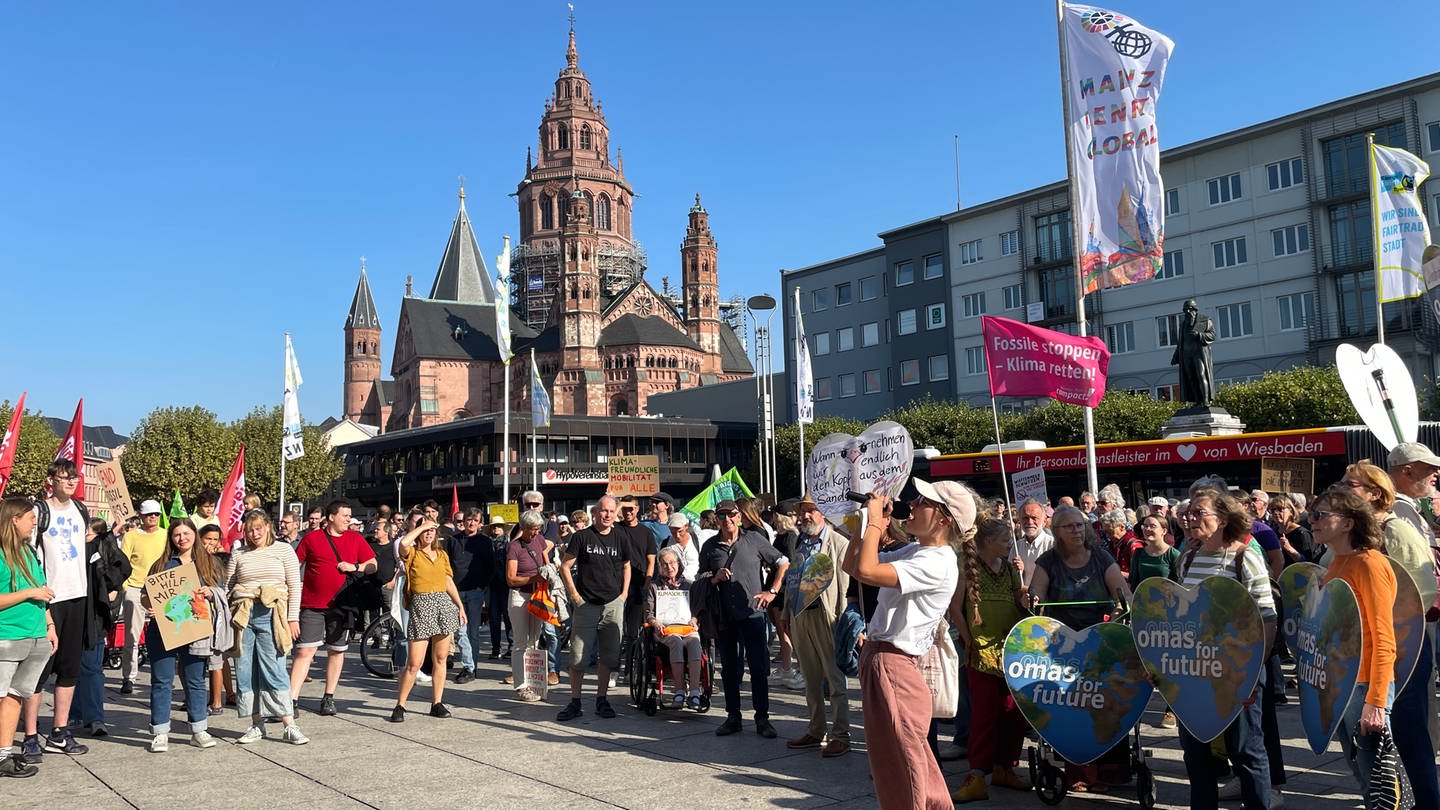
point(950, 427)
point(1120, 417)
point(34, 450)
point(1308, 396)
point(1428, 392)
point(185, 449)
point(305, 478)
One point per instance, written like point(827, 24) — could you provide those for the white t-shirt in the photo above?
point(1031, 551)
point(64, 552)
point(908, 615)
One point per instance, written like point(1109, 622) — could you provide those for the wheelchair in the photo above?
point(649, 667)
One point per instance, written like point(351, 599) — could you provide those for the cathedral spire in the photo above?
point(462, 275)
point(572, 57)
point(362, 308)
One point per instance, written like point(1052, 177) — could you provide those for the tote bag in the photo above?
point(940, 666)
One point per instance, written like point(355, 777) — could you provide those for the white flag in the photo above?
point(1401, 233)
point(502, 303)
point(292, 445)
point(804, 376)
point(1116, 69)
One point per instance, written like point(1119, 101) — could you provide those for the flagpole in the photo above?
point(284, 365)
point(1004, 477)
point(1091, 473)
point(1375, 237)
point(505, 452)
point(798, 420)
point(534, 430)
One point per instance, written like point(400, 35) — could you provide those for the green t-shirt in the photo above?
point(25, 619)
point(998, 613)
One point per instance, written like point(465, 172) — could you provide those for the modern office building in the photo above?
point(1267, 227)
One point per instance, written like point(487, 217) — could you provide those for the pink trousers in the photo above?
point(896, 707)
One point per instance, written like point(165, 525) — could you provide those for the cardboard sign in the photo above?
point(1030, 484)
point(1287, 475)
point(878, 460)
point(508, 512)
point(537, 670)
point(112, 484)
point(1204, 646)
point(181, 616)
point(633, 475)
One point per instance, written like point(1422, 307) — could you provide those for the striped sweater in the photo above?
point(274, 564)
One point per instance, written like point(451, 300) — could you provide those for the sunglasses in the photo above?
point(727, 514)
point(532, 506)
point(1321, 514)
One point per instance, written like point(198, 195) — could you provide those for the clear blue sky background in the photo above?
point(182, 182)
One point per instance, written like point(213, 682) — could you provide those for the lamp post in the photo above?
point(399, 477)
point(764, 387)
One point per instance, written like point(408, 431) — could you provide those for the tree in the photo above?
point(184, 449)
point(950, 427)
point(1120, 417)
point(34, 450)
point(305, 478)
point(1303, 397)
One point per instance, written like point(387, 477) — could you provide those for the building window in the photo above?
point(847, 385)
point(1291, 239)
point(1057, 291)
point(1351, 239)
point(1052, 236)
point(1233, 320)
point(869, 334)
point(869, 288)
point(1432, 131)
point(1296, 310)
point(1172, 201)
point(909, 372)
point(935, 316)
point(1347, 162)
point(1168, 393)
point(975, 360)
point(547, 212)
point(1120, 337)
point(1224, 189)
point(872, 381)
point(820, 342)
point(1014, 296)
point(819, 300)
point(845, 338)
point(1285, 174)
point(1168, 329)
point(971, 252)
point(602, 213)
point(843, 295)
point(904, 274)
point(973, 304)
point(1355, 302)
point(905, 322)
point(939, 367)
point(1174, 266)
point(822, 388)
point(1230, 252)
point(934, 267)
point(1009, 243)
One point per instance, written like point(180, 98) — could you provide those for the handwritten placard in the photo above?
point(672, 607)
point(181, 615)
point(114, 491)
point(1030, 484)
point(633, 475)
point(508, 512)
point(878, 460)
point(1287, 475)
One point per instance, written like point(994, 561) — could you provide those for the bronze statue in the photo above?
point(1192, 355)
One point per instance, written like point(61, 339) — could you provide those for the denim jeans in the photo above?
point(163, 663)
point(262, 683)
point(748, 638)
point(1361, 749)
point(1246, 743)
point(550, 640)
point(499, 612)
point(469, 635)
point(1410, 724)
point(90, 687)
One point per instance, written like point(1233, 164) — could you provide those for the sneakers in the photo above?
point(327, 706)
point(127, 687)
point(603, 709)
point(796, 681)
point(421, 677)
point(61, 741)
point(764, 728)
point(1006, 777)
point(527, 694)
point(571, 711)
point(613, 680)
point(973, 789)
point(202, 739)
point(494, 655)
point(254, 735)
point(397, 714)
point(159, 744)
point(804, 741)
point(439, 710)
point(730, 726)
point(32, 752)
point(695, 701)
point(466, 675)
point(1168, 720)
point(97, 729)
point(294, 736)
point(11, 766)
point(678, 701)
point(949, 752)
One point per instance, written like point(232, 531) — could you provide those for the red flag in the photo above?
point(9, 442)
point(454, 500)
point(73, 448)
point(1028, 361)
point(232, 502)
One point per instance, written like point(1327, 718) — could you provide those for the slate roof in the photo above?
point(650, 330)
point(95, 435)
point(462, 275)
point(362, 308)
point(732, 354)
point(384, 392)
point(433, 323)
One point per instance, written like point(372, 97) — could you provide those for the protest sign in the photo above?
point(1287, 474)
point(1030, 484)
point(508, 512)
point(727, 487)
point(1205, 647)
point(672, 607)
point(1325, 635)
point(1030, 361)
point(817, 571)
point(181, 615)
point(1380, 387)
point(114, 491)
point(878, 460)
point(1408, 614)
point(633, 475)
point(1081, 691)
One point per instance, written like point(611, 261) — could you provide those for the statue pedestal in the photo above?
point(1201, 420)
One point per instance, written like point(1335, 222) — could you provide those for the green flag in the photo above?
point(727, 488)
point(177, 507)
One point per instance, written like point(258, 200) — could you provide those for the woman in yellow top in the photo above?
point(435, 614)
point(1343, 521)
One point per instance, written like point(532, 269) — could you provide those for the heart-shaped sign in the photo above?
point(1204, 646)
point(1327, 645)
point(1382, 391)
point(878, 460)
point(1185, 451)
point(1409, 617)
point(1081, 691)
point(1297, 580)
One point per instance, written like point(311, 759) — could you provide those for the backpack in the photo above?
point(42, 522)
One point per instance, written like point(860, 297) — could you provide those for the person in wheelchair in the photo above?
point(667, 614)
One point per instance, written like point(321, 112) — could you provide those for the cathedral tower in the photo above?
point(700, 289)
point(362, 353)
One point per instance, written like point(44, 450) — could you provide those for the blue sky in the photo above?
point(183, 182)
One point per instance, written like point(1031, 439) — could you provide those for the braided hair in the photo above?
point(983, 532)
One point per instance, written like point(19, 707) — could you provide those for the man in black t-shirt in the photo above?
point(640, 544)
point(597, 589)
point(472, 563)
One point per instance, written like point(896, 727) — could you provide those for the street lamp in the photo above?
point(764, 388)
point(399, 477)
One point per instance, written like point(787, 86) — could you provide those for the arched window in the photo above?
point(564, 139)
point(585, 136)
point(602, 213)
point(373, 348)
point(589, 207)
point(619, 406)
point(547, 212)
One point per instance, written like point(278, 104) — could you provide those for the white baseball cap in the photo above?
point(150, 507)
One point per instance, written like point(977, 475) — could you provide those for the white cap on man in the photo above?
point(150, 507)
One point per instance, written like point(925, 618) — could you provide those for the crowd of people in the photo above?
point(836, 602)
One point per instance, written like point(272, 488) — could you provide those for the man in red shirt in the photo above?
point(328, 557)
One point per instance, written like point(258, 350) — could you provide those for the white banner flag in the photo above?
point(502, 303)
point(292, 445)
point(804, 377)
point(1116, 68)
point(1401, 233)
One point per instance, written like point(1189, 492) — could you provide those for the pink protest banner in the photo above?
point(1027, 361)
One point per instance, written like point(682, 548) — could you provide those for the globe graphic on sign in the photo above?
point(1133, 44)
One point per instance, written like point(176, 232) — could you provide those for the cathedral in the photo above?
point(604, 340)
